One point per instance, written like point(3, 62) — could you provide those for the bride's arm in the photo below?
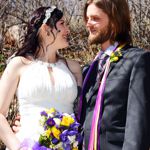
point(75, 68)
point(8, 86)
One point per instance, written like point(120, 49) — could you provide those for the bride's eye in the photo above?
point(62, 23)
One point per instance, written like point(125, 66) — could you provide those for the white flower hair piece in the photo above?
point(48, 13)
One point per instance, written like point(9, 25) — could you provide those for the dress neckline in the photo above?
point(47, 64)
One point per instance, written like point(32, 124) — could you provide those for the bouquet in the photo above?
point(60, 132)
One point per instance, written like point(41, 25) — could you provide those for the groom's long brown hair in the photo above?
point(119, 16)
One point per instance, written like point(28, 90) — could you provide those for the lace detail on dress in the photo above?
point(48, 65)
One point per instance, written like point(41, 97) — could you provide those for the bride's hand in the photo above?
point(16, 124)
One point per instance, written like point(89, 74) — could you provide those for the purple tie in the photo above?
point(101, 65)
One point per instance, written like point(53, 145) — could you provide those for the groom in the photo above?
point(115, 100)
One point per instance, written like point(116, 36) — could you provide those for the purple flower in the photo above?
point(67, 146)
point(71, 133)
point(58, 115)
point(28, 143)
point(63, 136)
point(55, 141)
point(45, 127)
point(43, 113)
point(75, 126)
point(79, 138)
point(50, 122)
point(44, 148)
point(36, 146)
point(73, 116)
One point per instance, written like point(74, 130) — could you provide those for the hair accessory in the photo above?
point(48, 13)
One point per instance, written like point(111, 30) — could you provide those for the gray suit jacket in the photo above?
point(125, 123)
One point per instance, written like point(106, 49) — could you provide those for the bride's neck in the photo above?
point(48, 55)
point(53, 58)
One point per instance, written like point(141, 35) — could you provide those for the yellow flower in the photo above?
point(56, 132)
point(112, 54)
point(115, 56)
point(51, 110)
point(75, 148)
point(67, 121)
point(114, 59)
point(47, 133)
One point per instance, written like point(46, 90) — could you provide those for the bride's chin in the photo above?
point(66, 45)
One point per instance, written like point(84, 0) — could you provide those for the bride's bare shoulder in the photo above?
point(19, 61)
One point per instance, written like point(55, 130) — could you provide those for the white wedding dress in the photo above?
point(37, 91)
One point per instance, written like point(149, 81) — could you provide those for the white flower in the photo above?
point(72, 138)
point(51, 115)
point(57, 121)
point(42, 120)
point(65, 114)
point(75, 144)
point(59, 145)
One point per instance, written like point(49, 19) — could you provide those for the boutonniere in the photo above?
point(115, 56)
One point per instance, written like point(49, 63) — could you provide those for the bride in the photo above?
point(38, 76)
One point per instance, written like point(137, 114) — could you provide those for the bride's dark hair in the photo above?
point(31, 45)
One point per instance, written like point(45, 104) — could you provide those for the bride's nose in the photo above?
point(67, 29)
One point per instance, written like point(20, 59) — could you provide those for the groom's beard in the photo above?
point(102, 36)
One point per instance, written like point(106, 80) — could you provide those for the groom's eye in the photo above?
point(95, 18)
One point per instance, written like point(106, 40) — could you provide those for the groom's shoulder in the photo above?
point(134, 50)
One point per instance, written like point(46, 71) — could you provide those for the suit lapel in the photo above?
point(89, 79)
point(90, 76)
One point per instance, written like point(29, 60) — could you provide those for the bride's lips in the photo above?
point(65, 36)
